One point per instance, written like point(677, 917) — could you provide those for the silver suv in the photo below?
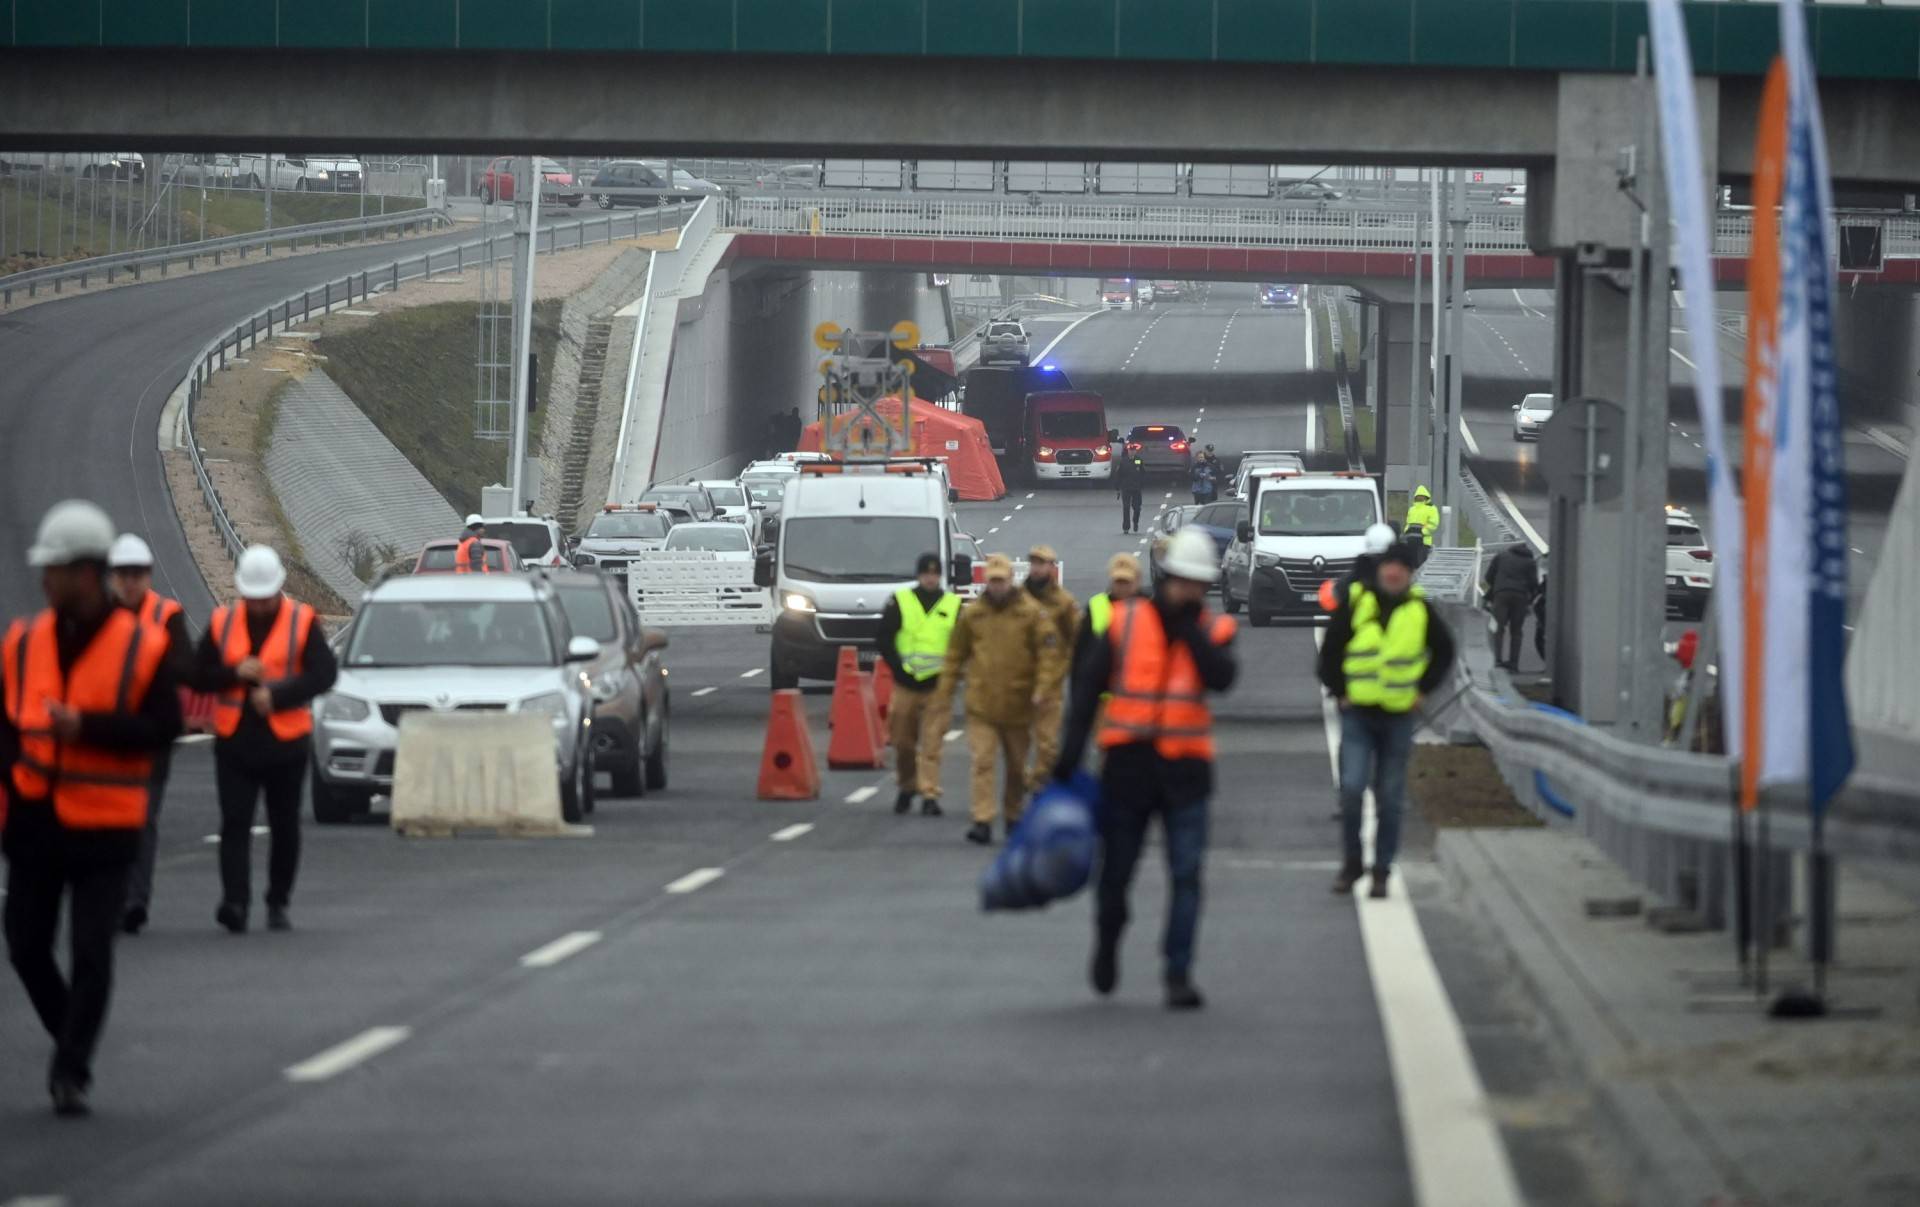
point(451, 643)
point(1005, 342)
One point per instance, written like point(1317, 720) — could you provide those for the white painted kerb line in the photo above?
point(338, 1059)
point(695, 880)
point(796, 830)
point(561, 948)
point(860, 796)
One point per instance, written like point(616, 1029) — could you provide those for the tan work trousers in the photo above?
point(1046, 741)
point(984, 741)
point(916, 729)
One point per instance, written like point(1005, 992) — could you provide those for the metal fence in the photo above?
point(344, 291)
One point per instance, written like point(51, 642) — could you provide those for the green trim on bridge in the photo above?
point(1543, 35)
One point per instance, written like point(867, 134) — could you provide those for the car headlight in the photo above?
point(793, 601)
point(336, 706)
point(609, 685)
point(553, 704)
point(1266, 560)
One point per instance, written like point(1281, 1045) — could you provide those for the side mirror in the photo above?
point(1516, 406)
point(1243, 531)
point(653, 640)
point(953, 495)
point(960, 573)
point(582, 649)
point(763, 568)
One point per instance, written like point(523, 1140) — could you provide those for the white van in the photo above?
point(1299, 530)
point(849, 537)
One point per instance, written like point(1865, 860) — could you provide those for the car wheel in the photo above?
point(300, 185)
point(1227, 602)
point(626, 776)
point(253, 182)
point(486, 195)
point(657, 762)
point(574, 793)
point(605, 202)
point(335, 806)
point(1259, 620)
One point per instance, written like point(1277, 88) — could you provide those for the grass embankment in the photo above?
point(412, 372)
point(1460, 787)
point(65, 218)
point(1330, 437)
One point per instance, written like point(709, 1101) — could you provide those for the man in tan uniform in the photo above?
point(1005, 648)
point(1063, 612)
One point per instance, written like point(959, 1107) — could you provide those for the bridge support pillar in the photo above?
point(1403, 422)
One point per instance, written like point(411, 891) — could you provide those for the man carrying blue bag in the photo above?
point(1050, 855)
point(1157, 661)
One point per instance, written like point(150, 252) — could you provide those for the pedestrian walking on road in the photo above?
point(1201, 480)
point(1385, 649)
point(1129, 477)
point(470, 556)
point(1423, 521)
point(268, 658)
point(1157, 662)
point(1512, 580)
point(130, 567)
point(915, 627)
point(86, 705)
point(1063, 612)
point(1003, 648)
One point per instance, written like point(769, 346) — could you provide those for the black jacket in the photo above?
point(1128, 474)
point(1514, 569)
point(890, 628)
point(254, 742)
point(1135, 773)
point(1333, 651)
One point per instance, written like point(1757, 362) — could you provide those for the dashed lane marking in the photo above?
point(1019, 506)
point(1006, 519)
point(860, 796)
point(796, 830)
point(1029, 494)
point(341, 1057)
point(706, 691)
point(696, 880)
point(565, 946)
point(993, 530)
point(952, 735)
point(750, 674)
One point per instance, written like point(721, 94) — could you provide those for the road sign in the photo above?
point(1564, 448)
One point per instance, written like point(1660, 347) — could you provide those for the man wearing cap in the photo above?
point(86, 703)
point(1383, 652)
point(1129, 476)
point(470, 556)
point(1004, 647)
point(1159, 659)
point(268, 658)
point(915, 626)
point(1063, 612)
point(130, 567)
point(1123, 583)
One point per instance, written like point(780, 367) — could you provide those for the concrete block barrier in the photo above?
point(477, 771)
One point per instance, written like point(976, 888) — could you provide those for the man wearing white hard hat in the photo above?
point(268, 659)
point(86, 703)
point(470, 556)
point(130, 568)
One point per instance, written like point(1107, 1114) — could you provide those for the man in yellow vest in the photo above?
point(914, 627)
point(1426, 516)
point(1063, 612)
point(1385, 649)
point(268, 658)
point(86, 702)
point(1123, 583)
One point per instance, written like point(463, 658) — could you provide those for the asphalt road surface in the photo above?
point(731, 1001)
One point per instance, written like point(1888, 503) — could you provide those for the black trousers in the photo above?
point(1510, 613)
point(1130, 509)
point(140, 875)
point(43, 868)
point(240, 784)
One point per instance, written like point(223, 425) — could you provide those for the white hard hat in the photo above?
point(1378, 537)
point(259, 574)
point(474, 521)
point(1192, 554)
point(130, 552)
point(71, 531)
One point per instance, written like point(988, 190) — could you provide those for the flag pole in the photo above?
point(1762, 890)
point(1742, 887)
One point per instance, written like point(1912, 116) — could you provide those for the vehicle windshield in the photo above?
point(549, 168)
point(589, 611)
point(1330, 512)
point(690, 497)
point(857, 549)
point(1072, 425)
point(627, 525)
point(444, 557)
point(530, 539)
point(1537, 402)
point(730, 538)
point(727, 496)
point(1684, 536)
point(451, 633)
point(766, 490)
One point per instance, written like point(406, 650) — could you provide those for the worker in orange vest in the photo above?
point(86, 704)
point(470, 557)
point(268, 658)
point(130, 567)
point(1160, 658)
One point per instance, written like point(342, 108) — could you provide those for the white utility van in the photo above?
point(849, 537)
point(1299, 529)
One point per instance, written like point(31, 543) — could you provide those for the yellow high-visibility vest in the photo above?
point(922, 639)
point(1383, 665)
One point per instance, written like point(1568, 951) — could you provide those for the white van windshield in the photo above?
point(857, 549)
point(1310, 512)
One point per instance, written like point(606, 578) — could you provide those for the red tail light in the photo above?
point(1179, 446)
point(1700, 555)
point(1133, 446)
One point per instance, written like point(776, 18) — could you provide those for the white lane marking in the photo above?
point(1858, 549)
point(695, 880)
point(861, 795)
point(706, 691)
point(193, 739)
point(1019, 507)
point(750, 674)
point(952, 735)
point(341, 1057)
point(1168, 495)
point(1055, 342)
point(796, 830)
point(1203, 410)
point(36, 1200)
point(993, 530)
point(1886, 440)
point(1523, 305)
point(1683, 360)
point(1029, 494)
point(1466, 435)
point(211, 839)
point(1454, 1150)
point(561, 948)
point(1513, 513)
point(1006, 519)
point(1312, 410)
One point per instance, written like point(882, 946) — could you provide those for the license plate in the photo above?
point(1309, 597)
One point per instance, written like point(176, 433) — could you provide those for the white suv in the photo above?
point(451, 643)
point(1689, 566)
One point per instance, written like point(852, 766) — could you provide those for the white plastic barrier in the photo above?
point(696, 587)
point(477, 770)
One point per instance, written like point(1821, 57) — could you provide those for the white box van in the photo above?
point(849, 537)
point(1299, 530)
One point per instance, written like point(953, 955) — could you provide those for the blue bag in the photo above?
point(1050, 855)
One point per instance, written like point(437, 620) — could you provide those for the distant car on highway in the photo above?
point(1513, 194)
point(1168, 291)
point(1144, 293)
point(1217, 520)
point(680, 184)
point(1005, 342)
point(1160, 448)
point(116, 165)
point(1530, 414)
point(631, 707)
point(1689, 566)
point(619, 534)
point(728, 541)
point(1311, 190)
point(690, 497)
point(496, 183)
point(443, 557)
point(1280, 297)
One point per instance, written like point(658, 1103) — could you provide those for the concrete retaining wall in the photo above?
point(621, 283)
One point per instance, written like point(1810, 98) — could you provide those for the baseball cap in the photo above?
point(999, 566)
point(1042, 553)
point(1124, 566)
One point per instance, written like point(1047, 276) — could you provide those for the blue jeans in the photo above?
point(1376, 742)
point(1123, 832)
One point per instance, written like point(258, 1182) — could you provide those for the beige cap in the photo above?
point(999, 566)
point(1124, 566)
point(1042, 553)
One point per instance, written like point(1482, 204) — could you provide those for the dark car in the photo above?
point(691, 499)
point(631, 706)
point(1215, 519)
point(1161, 448)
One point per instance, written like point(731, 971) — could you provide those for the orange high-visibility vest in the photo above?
point(91, 788)
point(157, 610)
point(470, 557)
point(282, 654)
point(1156, 691)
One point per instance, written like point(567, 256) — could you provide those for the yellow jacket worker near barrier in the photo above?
point(1422, 512)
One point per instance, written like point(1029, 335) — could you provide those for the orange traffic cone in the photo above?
point(856, 740)
point(883, 693)
point(787, 767)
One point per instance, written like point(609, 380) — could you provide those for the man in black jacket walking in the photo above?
point(1512, 580)
point(1129, 475)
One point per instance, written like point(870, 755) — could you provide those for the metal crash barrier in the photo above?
point(691, 587)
